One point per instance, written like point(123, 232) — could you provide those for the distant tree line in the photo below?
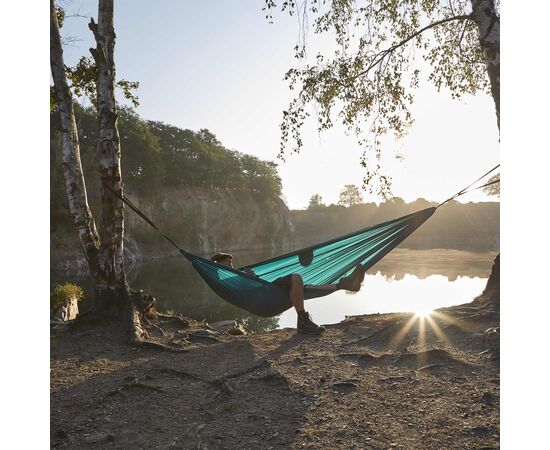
point(350, 195)
point(465, 226)
point(157, 154)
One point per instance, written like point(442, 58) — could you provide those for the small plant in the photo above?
point(62, 293)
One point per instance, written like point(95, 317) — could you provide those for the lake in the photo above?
point(405, 280)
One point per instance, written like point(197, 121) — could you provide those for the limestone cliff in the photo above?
point(201, 220)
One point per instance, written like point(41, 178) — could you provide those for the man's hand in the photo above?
point(249, 270)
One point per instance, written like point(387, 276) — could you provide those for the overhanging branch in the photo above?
point(380, 56)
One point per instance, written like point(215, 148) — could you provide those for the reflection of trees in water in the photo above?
point(179, 288)
point(423, 263)
point(255, 323)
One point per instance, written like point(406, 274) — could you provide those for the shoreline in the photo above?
point(372, 381)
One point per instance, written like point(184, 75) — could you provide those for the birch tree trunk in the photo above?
point(488, 23)
point(103, 250)
point(111, 227)
point(72, 167)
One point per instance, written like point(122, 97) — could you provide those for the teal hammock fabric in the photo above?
point(324, 263)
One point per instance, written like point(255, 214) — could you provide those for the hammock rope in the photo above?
point(319, 264)
point(465, 190)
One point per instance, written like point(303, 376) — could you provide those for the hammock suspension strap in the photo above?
point(465, 190)
point(134, 208)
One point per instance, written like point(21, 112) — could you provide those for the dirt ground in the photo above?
point(378, 381)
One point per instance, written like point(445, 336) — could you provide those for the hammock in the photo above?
point(320, 264)
point(324, 263)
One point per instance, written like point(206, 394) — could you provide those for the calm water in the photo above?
point(405, 280)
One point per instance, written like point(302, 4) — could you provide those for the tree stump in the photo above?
point(67, 311)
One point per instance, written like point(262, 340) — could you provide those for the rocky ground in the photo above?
point(377, 381)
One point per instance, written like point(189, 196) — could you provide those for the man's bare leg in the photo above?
point(296, 294)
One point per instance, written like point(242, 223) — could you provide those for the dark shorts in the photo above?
point(284, 282)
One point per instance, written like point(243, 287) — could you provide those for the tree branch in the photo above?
point(380, 56)
point(93, 27)
point(460, 47)
point(98, 53)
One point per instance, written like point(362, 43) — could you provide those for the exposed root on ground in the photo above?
point(140, 325)
point(143, 314)
point(131, 383)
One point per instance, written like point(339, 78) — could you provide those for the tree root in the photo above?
point(181, 374)
point(482, 315)
point(153, 325)
point(377, 332)
point(430, 366)
point(141, 318)
point(263, 364)
point(131, 383)
point(158, 346)
point(141, 310)
point(198, 336)
point(173, 318)
point(138, 314)
point(221, 383)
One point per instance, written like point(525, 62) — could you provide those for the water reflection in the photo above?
point(402, 281)
point(383, 294)
point(178, 288)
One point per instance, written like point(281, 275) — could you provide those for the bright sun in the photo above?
point(423, 311)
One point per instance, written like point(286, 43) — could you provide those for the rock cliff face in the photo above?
point(201, 220)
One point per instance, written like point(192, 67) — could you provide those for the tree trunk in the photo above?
point(72, 167)
point(111, 227)
point(103, 250)
point(488, 23)
point(492, 290)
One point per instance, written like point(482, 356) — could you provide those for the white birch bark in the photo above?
point(488, 23)
point(72, 167)
point(111, 227)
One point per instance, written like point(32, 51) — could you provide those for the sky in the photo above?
point(220, 66)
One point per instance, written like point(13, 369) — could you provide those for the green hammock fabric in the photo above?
point(324, 263)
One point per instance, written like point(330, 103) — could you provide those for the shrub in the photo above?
point(62, 293)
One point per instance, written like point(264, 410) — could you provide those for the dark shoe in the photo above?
point(353, 281)
point(306, 325)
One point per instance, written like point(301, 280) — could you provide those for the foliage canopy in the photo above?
point(493, 187)
point(316, 201)
point(367, 81)
point(350, 196)
point(158, 154)
point(82, 78)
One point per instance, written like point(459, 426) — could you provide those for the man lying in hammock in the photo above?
point(294, 285)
